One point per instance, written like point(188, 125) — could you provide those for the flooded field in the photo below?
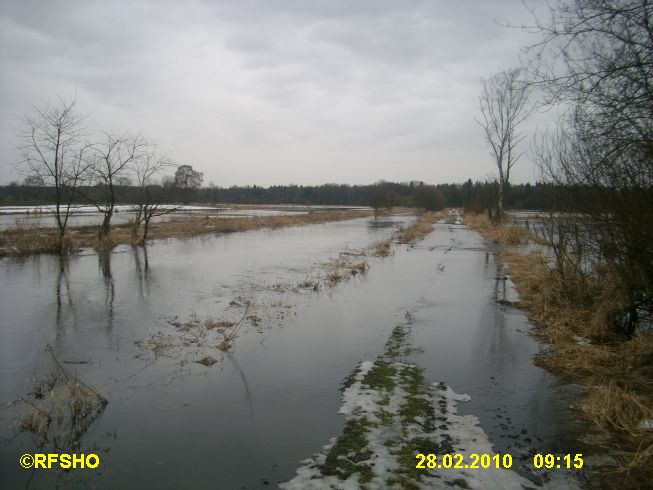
point(127, 322)
point(43, 216)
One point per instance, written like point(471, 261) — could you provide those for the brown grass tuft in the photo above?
point(23, 241)
point(613, 406)
point(37, 422)
point(503, 234)
point(419, 229)
point(220, 324)
point(382, 248)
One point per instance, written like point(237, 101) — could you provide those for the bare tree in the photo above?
point(54, 155)
point(153, 200)
point(504, 106)
point(596, 58)
point(111, 162)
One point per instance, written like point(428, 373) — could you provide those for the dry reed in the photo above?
point(23, 241)
point(419, 229)
point(503, 234)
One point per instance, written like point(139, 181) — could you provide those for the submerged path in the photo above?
point(273, 400)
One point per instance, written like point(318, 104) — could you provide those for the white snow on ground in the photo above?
point(646, 424)
point(452, 432)
point(581, 340)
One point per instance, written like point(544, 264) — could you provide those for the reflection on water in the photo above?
point(142, 270)
point(104, 263)
point(274, 398)
point(64, 297)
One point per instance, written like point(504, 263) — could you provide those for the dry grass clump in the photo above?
point(636, 471)
point(344, 268)
point(219, 324)
point(420, 228)
point(356, 268)
point(563, 304)
point(626, 361)
point(333, 278)
point(611, 405)
point(207, 361)
point(381, 249)
point(60, 408)
point(502, 233)
point(37, 422)
point(23, 241)
point(309, 284)
point(104, 243)
point(82, 401)
point(160, 345)
point(192, 337)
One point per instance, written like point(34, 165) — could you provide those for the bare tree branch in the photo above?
point(504, 106)
point(53, 154)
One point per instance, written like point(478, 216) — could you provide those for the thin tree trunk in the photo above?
point(499, 215)
point(146, 227)
point(106, 223)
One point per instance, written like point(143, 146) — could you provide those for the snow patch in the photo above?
point(581, 340)
point(388, 432)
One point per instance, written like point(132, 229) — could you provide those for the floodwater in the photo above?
point(42, 216)
point(247, 421)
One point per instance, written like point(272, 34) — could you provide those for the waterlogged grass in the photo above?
point(417, 230)
point(349, 453)
point(400, 399)
point(396, 345)
point(384, 400)
point(418, 410)
point(385, 418)
point(381, 377)
point(417, 407)
point(412, 380)
point(352, 450)
point(406, 474)
point(390, 420)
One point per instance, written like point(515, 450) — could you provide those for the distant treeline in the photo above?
point(472, 195)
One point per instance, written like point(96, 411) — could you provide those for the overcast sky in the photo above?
point(271, 91)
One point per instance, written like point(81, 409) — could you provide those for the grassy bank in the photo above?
point(575, 313)
point(24, 241)
point(417, 230)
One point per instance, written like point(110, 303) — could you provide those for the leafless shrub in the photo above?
point(596, 59)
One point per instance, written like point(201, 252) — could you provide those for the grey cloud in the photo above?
point(318, 90)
